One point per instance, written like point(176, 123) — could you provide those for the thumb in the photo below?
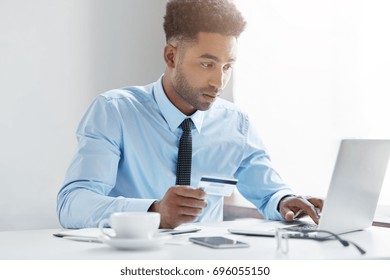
point(289, 216)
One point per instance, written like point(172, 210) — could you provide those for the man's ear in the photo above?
point(170, 53)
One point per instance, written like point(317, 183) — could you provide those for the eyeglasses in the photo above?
point(282, 236)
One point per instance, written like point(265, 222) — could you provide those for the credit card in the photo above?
point(217, 186)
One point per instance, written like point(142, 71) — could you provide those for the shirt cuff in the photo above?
point(137, 205)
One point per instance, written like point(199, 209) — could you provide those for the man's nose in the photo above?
point(217, 79)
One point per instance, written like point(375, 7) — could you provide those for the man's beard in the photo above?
point(189, 94)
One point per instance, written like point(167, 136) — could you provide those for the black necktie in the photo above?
point(183, 170)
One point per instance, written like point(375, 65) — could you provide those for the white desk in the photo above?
point(42, 245)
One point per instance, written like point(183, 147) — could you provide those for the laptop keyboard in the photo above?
point(308, 227)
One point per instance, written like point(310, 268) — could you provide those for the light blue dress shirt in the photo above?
point(127, 153)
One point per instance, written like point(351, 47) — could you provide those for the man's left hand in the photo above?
point(292, 207)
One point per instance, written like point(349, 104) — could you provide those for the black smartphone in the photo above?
point(218, 242)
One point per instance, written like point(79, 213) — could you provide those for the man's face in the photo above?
point(202, 71)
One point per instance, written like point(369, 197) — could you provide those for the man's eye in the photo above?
point(206, 65)
point(227, 67)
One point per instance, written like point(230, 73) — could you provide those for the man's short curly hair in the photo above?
point(184, 19)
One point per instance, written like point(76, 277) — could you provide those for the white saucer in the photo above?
point(136, 243)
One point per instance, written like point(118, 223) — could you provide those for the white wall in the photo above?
point(311, 73)
point(55, 57)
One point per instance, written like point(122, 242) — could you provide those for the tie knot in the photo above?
point(186, 125)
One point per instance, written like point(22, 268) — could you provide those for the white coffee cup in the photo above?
point(131, 224)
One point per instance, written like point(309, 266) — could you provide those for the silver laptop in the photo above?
point(353, 192)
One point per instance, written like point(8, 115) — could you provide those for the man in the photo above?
point(127, 157)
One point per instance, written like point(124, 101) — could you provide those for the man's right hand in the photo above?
point(180, 204)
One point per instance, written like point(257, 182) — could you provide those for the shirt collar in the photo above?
point(173, 116)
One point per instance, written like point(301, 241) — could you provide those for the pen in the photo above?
point(82, 239)
point(297, 214)
point(300, 212)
